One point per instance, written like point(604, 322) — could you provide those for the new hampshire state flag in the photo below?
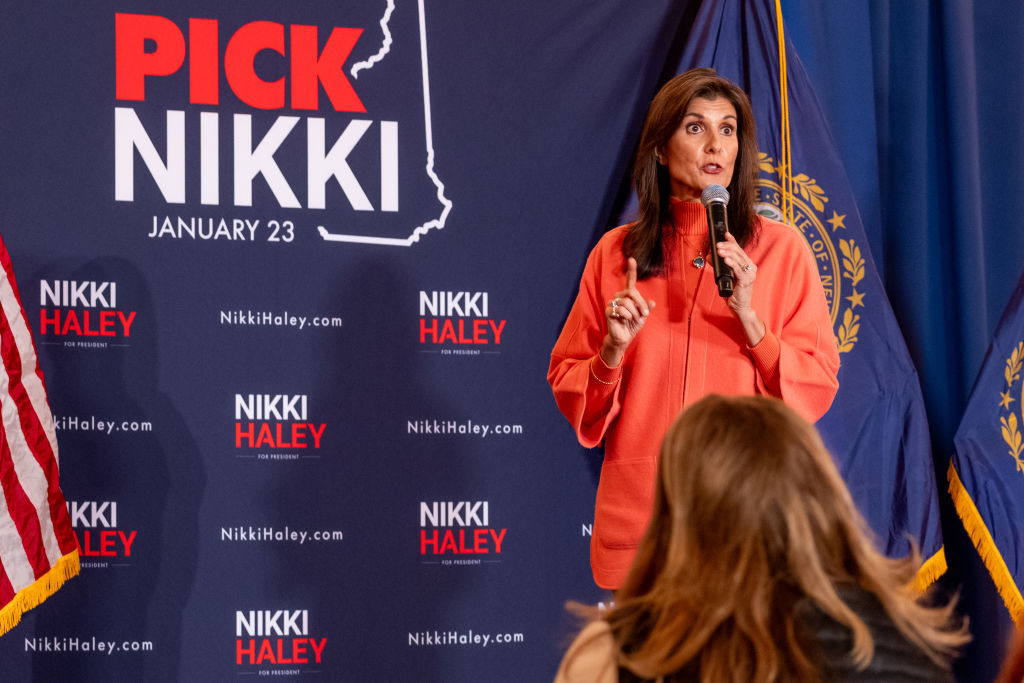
point(876, 428)
point(986, 473)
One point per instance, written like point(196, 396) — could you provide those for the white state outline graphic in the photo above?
point(385, 46)
point(438, 222)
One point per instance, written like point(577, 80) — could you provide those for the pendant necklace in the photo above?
point(699, 261)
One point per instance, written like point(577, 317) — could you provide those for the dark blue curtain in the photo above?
point(922, 99)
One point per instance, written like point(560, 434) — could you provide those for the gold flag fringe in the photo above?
point(34, 595)
point(931, 570)
point(986, 546)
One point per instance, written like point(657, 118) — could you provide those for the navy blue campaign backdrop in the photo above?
point(295, 324)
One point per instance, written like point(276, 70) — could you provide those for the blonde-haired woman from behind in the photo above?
point(756, 568)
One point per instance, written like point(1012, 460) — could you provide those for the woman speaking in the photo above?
point(649, 332)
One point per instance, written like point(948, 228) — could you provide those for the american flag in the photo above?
point(38, 550)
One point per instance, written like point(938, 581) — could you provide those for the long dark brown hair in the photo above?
point(751, 519)
point(651, 179)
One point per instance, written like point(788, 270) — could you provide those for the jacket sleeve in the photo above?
point(798, 361)
point(585, 389)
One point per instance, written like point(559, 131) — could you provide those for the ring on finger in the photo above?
point(746, 267)
point(615, 307)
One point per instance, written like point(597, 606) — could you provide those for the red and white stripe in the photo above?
point(35, 528)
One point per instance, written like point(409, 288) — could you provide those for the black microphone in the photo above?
point(715, 198)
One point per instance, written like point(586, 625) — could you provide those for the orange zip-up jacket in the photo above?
point(691, 345)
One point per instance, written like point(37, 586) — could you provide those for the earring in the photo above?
point(657, 157)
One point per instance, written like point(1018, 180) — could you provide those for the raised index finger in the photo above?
point(631, 273)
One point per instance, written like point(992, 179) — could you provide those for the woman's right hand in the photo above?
point(625, 316)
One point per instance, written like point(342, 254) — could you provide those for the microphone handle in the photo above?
point(717, 226)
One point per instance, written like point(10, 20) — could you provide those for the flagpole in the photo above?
point(786, 152)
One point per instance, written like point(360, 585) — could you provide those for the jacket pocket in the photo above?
point(625, 496)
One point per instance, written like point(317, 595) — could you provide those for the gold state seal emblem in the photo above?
point(1008, 422)
point(838, 275)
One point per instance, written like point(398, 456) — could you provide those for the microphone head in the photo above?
point(714, 194)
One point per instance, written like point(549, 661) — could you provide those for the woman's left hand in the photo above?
point(744, 273)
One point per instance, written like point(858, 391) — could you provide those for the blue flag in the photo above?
point(986, 474)
point(876, 428)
